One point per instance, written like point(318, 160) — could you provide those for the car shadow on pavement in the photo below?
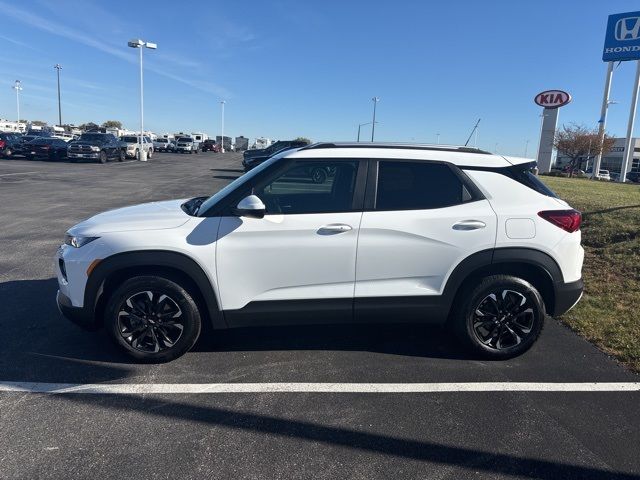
point(400, 339)
point(467, 459)
point(38, 345)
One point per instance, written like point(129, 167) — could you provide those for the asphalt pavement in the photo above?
point(441, 435)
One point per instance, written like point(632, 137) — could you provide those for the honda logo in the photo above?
point(628, 29)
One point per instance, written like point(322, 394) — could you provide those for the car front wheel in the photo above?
point(103, 157)
point(153, 319)
point(500, 317)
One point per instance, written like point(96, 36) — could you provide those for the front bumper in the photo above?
point(78, 315)
point(91, 156)
point(567, 296)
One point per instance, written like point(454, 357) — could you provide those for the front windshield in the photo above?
point(237, 183)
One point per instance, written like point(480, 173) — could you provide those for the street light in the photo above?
point(18, 87)
point(373, 124)
point(58, 67)
point(222, 102)
point(137, 43)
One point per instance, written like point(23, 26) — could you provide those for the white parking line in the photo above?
point(189, 388)
point(15, 173)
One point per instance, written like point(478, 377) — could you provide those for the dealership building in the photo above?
point(612, 160)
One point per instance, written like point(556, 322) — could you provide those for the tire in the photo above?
point(137, 155)
point(29, 157)
point(318, 175)
point(103, 156)
point(122, 156)
point(152, 340)
point(150, 154)
point(500, 317)
point(7, 153)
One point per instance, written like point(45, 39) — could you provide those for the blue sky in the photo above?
point(290, 68)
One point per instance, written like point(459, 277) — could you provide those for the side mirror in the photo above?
point(251, 207)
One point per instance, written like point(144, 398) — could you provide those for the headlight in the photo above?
point(77, 241)
point(95, 149)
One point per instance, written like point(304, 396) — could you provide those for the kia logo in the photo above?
point(552, 98)
point(627, 29)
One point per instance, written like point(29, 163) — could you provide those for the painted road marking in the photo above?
point(189, 388)
point(15, 173)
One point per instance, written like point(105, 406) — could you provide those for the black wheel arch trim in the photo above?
point(503, 256)
point(154, 259)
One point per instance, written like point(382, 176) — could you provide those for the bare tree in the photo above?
point(580, 143)
point(112, 124)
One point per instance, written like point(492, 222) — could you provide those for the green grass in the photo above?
point(609, 312)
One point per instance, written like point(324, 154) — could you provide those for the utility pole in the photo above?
point(58, 67)
point(373, 124)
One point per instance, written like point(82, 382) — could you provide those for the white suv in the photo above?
point(394, 233)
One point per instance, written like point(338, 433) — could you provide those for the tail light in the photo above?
point(568, 220)
point(2, 143)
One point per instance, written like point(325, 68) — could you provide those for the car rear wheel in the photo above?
point(318, 175)
point(103, 157)
point(153, 319)
point(150, 154)
point(7, 152)
point(500, 317)
point(122, 156)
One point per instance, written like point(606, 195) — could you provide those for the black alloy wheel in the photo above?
point(499, 317)
point(503, 319)
point(153, 319)
point(150, 321)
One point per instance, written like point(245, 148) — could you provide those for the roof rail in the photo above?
point(406, 146)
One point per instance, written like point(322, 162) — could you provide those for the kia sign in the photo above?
point(622, 41)
point(552, 98)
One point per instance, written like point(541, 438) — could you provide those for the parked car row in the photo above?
point(95, 146)
point(253, 158)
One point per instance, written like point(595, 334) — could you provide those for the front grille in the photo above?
point(80, 148)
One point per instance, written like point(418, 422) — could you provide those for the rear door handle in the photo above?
point(469, 225)
point(334, 228)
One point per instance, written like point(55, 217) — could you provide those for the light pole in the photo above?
point(58, 67)
point(373, 124)
point(139, 44)
point(222, 102)
point(437, 139)
point(526, 147)
point(18, 87)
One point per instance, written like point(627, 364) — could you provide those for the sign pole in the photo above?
point(603, 118)
point(628, 146)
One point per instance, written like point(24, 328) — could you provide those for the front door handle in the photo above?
point(334, 228)
point(469, 225)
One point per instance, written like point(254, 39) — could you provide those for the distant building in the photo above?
point(611, 161)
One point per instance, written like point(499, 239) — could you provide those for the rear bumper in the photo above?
point(566, 296)
point(78, 315)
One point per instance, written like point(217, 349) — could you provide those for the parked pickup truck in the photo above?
point(96, 146)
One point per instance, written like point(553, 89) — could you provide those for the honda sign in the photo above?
point(552, 98)
point(622, 41)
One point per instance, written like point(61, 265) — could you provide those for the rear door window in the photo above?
point(418, 186)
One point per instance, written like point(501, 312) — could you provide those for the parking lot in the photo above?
point(146, 427)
